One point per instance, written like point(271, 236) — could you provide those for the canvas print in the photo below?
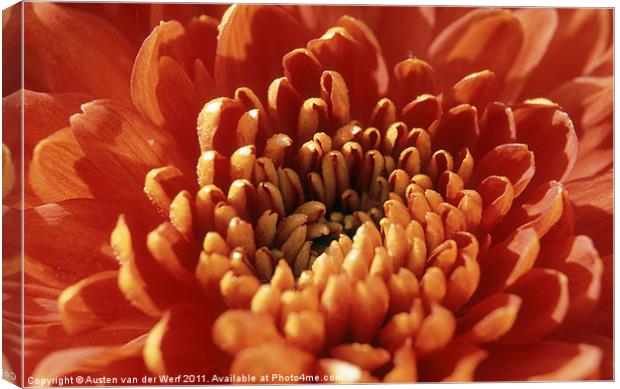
point(295, 194)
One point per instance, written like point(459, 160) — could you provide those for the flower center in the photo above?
point(330, 187)
point(328, 196)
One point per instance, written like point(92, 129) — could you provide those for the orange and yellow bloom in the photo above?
point(388, 194)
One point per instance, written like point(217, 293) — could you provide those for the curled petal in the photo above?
point(589, 102)
point(422, 111)
point(246, 31)
point(541, 361)
point(167, 65)
point(93, 302)
point(273, 360)
point(482, 39)
point(405, 365)
point(545, 297)
point(550, 135)
point(477, 89)
point(370, 304)
point(513, 161)
point(141, 278)
point(497, 126)
point(303, 70)
point(180, 344)
point(490, 319)
point(363, 355)
point(123, 144)
point(436, 330)
point(541, 211)
point(44, 113)
point(578, 259)
point(504, 263)
point(457, 129)
point(59, 169)
point(454, 363)
point(352, 41)
point(347, 372)
point(592, 200)
point(9, 173)
point(414, 77)
point(236, 330)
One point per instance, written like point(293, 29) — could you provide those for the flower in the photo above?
point(356, 206)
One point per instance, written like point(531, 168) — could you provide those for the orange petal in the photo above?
point(112, 361)
point(405, 365)
point(173, 252)
point(603, 66)
point(542, 361)
point(545, 297)
point(145, 283)
point(490, 319)
point(412, 78)
point(589, 102)
point(542, 210)
point(369, 307)
point(9, 173)
point(44, 113)
point(59, 45)
point(132, 20)
point(180, 343)
point(508, 260)
point(581, 37)
point(444, 16)
point(605, 344)
point(93, 302)
point(54, 228)
point(539, 26)
point(497, 195)
point(123, 144)
point(184, 13)
point(513, 161)
point(436, 330)
point(550, 135)
point(351, 41)
point(273, 360)
point(39, 303)
point(303, 71)
point(421, 112)
point(578, 259)
point(477, 89)
point(11, 232)
point(404, 32)
point(236, 330)
point(169, 65)
point(592, 200)
point(11, 48)
point(247, 54)
point(342, 372)
point(365, 356)
point(482, 39)
point(457, 129)
point(60, 169)
point(454, 363)
point(497, 126)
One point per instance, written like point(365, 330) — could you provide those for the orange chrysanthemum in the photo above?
point(376, 193)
